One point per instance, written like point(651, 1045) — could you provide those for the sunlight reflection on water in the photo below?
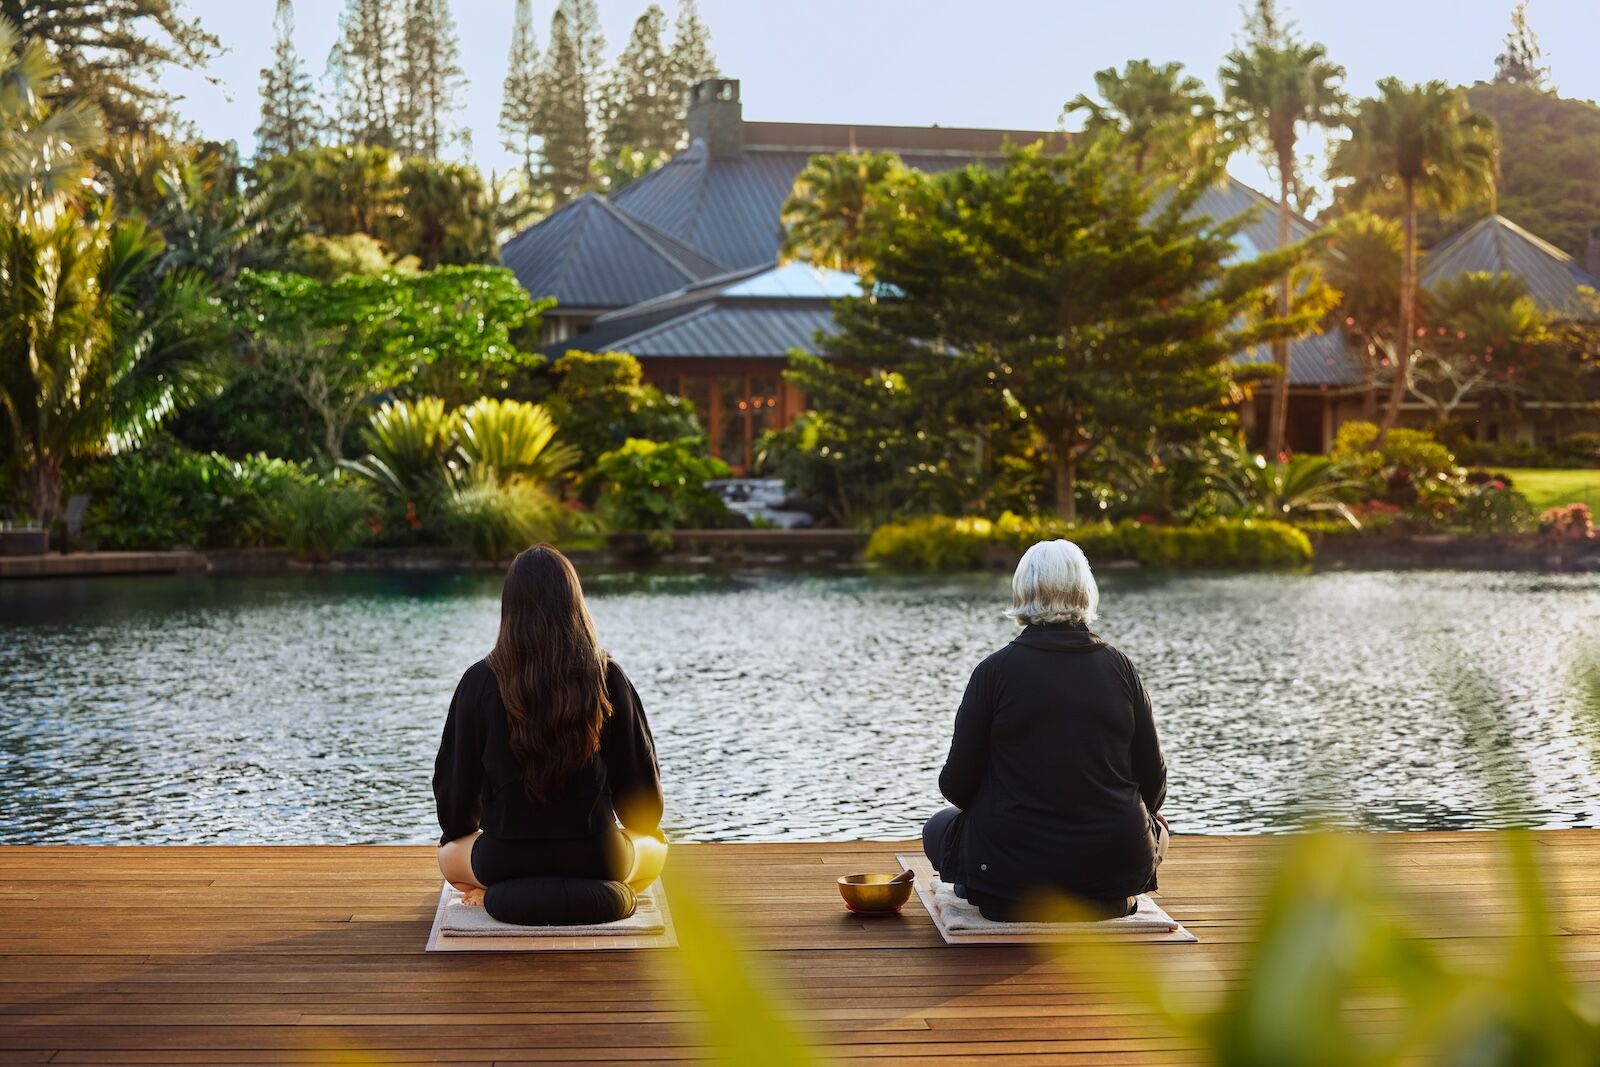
point(785, 706)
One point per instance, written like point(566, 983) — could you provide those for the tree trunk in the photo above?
point(1408, 294)
point(46, 489)
point(1278, 419)
point(1066, 484)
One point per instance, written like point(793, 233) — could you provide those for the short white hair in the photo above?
point(1053, 583)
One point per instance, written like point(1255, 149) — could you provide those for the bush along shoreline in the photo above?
point(941, 542)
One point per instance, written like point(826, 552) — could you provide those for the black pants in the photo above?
point(554, 883)
point(940, 845)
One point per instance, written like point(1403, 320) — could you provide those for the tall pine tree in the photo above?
point(519, 99)
point(641, 104)
point(429, 80)
point(567, 142)
point(690, 60)
point(288, 109)
point(1519, 63)
point(589, 43)
point(363, 73)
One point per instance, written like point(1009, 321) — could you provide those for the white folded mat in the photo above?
point(960, 922)
point(459, 928)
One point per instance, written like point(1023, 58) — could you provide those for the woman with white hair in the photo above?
point(1055, 771)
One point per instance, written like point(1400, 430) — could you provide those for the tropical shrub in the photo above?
point(409, 443)
point(492, 520)
point(1492, 506)
point(158, 498)
point(1413, 451)
point(601, 401)
point(318, 518)
point(1302, 486)
point(944, 543)
point(1219, 543)
point(501, 439)
point(660, 485)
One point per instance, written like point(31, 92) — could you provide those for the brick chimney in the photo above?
point(716, 116)
point(1591, 254)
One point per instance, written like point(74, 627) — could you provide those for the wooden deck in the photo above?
point(235, 955)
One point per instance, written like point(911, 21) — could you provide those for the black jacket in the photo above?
point(477, 782)
point(1056, 766)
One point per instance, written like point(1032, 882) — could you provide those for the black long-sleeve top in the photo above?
point(1056, 764)
point(477, 781)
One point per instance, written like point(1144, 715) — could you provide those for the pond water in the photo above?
point(787, 706)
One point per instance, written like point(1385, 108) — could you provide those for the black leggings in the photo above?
point(554, 883)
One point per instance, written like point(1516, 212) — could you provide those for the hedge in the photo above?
point(941, 542)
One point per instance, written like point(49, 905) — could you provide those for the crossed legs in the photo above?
point(455, 863)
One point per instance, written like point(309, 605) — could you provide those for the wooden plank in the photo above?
point(305, 954)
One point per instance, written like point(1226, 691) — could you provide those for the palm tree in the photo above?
point(1426, 142)
point(1153, 108)
point(42, 143)
point(192, 197)
point(827, 212)
point(1361, 261)
point(96, 351)
point(1273, 86)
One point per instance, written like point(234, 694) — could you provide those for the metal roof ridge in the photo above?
point(1558, 254)
point(526, 230)
point(707, 283)
point(650, 331)
point(650, 236)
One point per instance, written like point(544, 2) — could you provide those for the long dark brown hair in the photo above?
point(551, 670)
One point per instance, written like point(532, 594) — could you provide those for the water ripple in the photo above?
point(307, 708)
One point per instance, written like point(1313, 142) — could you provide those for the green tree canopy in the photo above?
point(112, 52)
point(338, 344)
point(1096, 312)
point(828, 212)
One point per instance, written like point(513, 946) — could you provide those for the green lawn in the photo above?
point(1552, 488)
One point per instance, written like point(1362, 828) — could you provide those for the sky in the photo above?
point(1000, 63)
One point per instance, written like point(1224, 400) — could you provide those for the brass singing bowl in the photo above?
point(873, 894)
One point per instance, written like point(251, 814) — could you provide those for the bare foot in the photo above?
point(472, 898)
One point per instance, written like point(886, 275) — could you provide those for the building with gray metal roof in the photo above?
point(679, 268)
point(1496, 245)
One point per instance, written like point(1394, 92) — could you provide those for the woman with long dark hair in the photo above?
point(545, 750)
